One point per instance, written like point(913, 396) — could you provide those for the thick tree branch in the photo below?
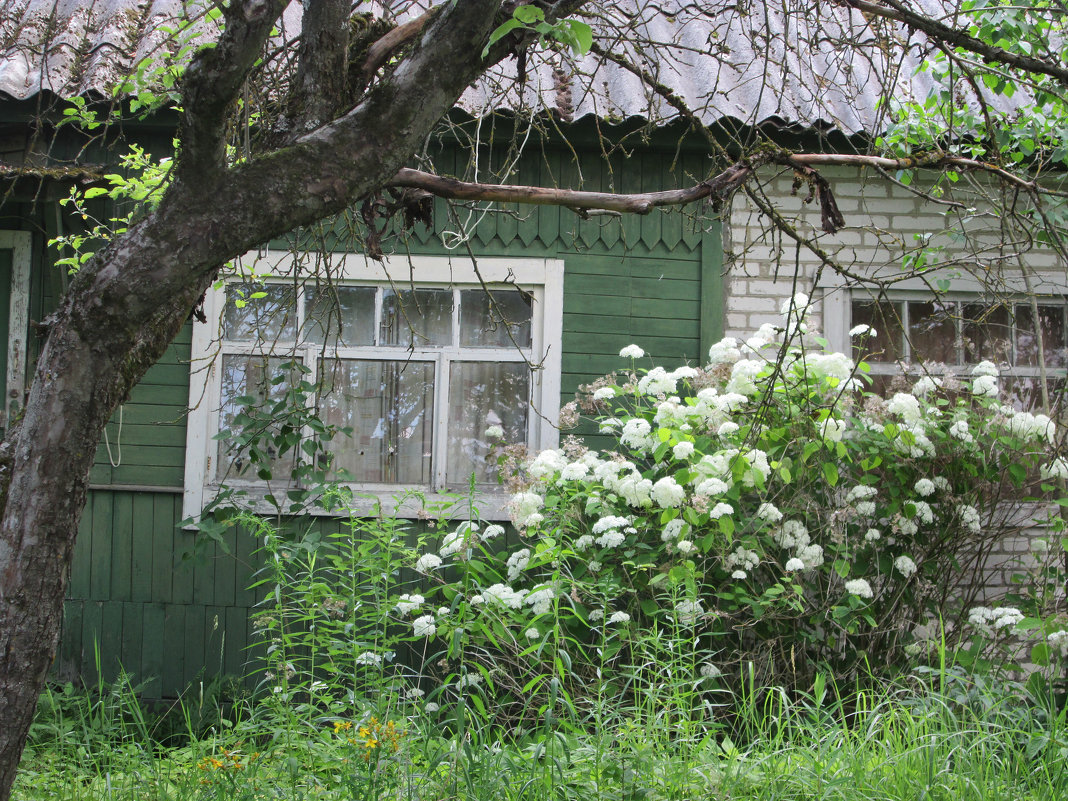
point(212, 82)
point(322, 69)
point(900, 12)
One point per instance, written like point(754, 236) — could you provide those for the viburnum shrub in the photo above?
point(763, 508)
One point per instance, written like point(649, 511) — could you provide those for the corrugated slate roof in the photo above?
point(750, 61)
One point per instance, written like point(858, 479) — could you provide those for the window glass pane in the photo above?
point(885, 318)
point(500, 319)
point(340, 315)
point(987, 333)
point(1052, 327)
point(263, 312)
point(933, 332)
point(252, 378)
point(484, 394)
point(419, 318)
point(389, 405)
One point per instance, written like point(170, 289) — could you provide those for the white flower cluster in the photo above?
point(517, 563)
point(860, 588)
point(969, 517)
point(1058, 641)
point(1031, 427)
point(687, 612)
point(987, 620)
point(905, 566)
point(424, 626)
point(408, 603)
point(504, 595)
point(740, 561)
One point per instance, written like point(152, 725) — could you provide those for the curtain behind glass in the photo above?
point(389, 407)
point(483, 394)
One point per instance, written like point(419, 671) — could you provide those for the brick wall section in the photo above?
point(882, 221)
point(764, 268)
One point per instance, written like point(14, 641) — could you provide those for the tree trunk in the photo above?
point(128, 303)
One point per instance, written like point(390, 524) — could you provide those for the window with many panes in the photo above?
point(958, 331)
point(429, 365)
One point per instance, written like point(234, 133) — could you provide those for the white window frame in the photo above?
point(542, 278)
point(1049, 287)
point(20, 244)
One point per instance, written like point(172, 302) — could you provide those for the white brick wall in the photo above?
point(882, 221)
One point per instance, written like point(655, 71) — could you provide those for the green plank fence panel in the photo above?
point(141, 561)
point(712, 309)
point(81, 558)
point(235, 645)
point(110, 639)
point(122, 539)
point(100, 544)
point(174, 676)
point(162, 533)
point(154, 636)
point(131, 655)
point(92, 616)
point(195, 638)
point(69, 660)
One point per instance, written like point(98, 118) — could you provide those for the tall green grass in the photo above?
point(939, 736)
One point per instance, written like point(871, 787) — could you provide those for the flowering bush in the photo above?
point(762, 509)
point(766, 508)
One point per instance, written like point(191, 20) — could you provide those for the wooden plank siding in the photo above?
point(171, 621)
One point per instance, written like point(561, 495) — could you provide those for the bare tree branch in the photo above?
point(720, 185)
point(899, 12)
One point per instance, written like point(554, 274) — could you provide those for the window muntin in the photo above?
point(417, 374)
point(958, 332)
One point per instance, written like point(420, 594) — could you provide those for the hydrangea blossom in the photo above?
point(862, 330)
point(523, 507)
point(505, 595)
point(667, 493)
point(860, 588)
point(584, 543)
point(636, 433)
point(619, 617)
point(905, 566)
point(836, 366)
point(832, 429)
point(424, 626)
point(985, 386)
point(657, 382)
point(926, 386)
point(573, 471)
point(769, 513)
point(872, 535)
point(408, 603)
point(672, 529)
point(604, 393)
point(540, 600)
point(724, 352)
point(742, 558)
point(906, 407)
point(728, 428)
point(685, 547)
point(721, 509)
point(632, 352)
point(959, 430)
point(546, 464)
point(811, 555)
point(517, 563)
point(861, 492)
point(427, 562)
point(492, 531)
point(532, 634)
point(969, 517)
point(791, 534)
point(1031, 426)
point(988, 621)
point(743, 377)
point(1058, 468)
point(924, 487)
point(794, 564)
point(1058, 641)
point(611, 539)
point(683, 450)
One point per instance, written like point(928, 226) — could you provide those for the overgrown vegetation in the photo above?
point(757, 591)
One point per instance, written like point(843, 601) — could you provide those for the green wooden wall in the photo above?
point(135, 602)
